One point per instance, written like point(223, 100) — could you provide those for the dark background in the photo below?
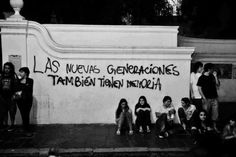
point(196, 18)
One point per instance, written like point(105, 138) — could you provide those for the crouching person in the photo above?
point(124, 117)
point(187, 114)
point(165, 118)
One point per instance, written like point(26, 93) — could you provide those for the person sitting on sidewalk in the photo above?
point(142, 111)
point(229, 136)
point(124, 117)
point(201, 128)
point(165, 118)
point(187, 114)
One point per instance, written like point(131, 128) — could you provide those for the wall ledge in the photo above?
point(47, 42)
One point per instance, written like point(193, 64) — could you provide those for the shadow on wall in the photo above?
point(34, 111)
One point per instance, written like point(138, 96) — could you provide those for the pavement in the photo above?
point(87, 140)
point(98, 140)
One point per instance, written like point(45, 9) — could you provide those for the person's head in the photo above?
point(123, 104)
point(24, 72)
point(198, 67)
point(208, 67)
point(142, 100)
point(8, 68)
point(167, 101)
point(202, 115)
point(185, 102)
point(232, 121)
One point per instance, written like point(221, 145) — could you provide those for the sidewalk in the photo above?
point(88, 140)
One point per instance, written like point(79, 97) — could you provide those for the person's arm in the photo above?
point(216, 79)
point(191, 86)
point(147, 108)
point(201, 93)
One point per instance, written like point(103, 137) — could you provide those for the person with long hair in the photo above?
point(201, 127)
point(8, 87)
point(124, 117)
point(142, 111)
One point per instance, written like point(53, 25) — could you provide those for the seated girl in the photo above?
point(124, 116)
point(165, 118)
point(142, 111)
point(187, 114)
point(201, 128)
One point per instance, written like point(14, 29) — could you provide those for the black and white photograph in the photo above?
point(117, 78)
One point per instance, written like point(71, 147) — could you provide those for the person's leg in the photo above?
point(214, 113)
point(182, 117)
point(140, 120)
point(23, 111)
point(3, 111)
point(130, 122)
point(206, 105)
point(147, 120)
point(161, 124)
point(120, 122)
point(27, 116)
point(12, 112)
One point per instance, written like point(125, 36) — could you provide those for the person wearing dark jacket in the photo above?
point(142, 111)
point(8, 86)
point(24, 96)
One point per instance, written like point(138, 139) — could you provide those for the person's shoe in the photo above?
point(131, 132)
point(148, 130)
point(10, 129)
point(161, 135)
point(141, 130)
point(118, 132)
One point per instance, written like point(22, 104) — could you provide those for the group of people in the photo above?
point(15, 91)
point(198, 115)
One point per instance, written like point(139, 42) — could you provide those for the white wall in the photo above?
point(48, 49)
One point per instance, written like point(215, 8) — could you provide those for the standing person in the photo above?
point(194, 92)
point(187, 113)
point(124, 116)
point(207, 86)
point(142, 111)
point(8, 86)
point(165, 118)
point(24, 96)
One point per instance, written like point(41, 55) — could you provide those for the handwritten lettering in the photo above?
point(111, 83)
point(149, 79)
point(82, 69)
point(74, 81)
point(170, 69)
point(145, 83)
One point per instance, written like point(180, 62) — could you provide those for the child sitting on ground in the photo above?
point(124, 116)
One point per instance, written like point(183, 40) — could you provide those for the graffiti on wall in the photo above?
point(114, 76)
